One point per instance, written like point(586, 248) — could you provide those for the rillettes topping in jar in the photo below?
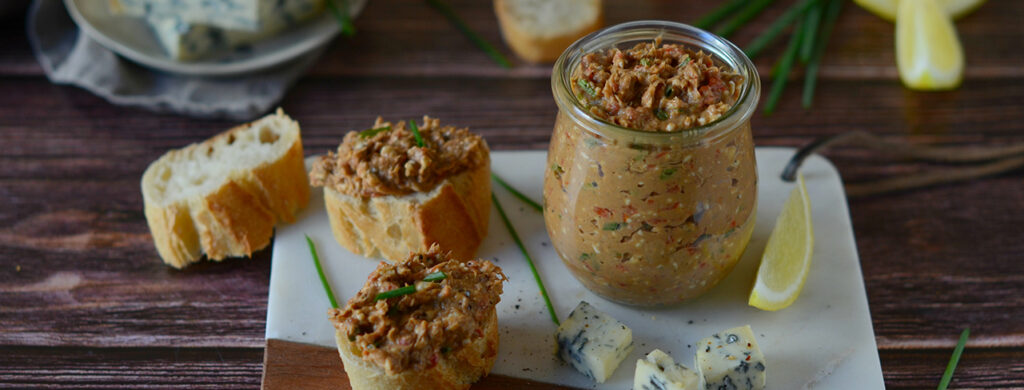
point(651, 188)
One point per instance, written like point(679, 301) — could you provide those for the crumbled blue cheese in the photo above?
point(593, 342)
point(731, 360)
point(658, 371)
point(184, 39)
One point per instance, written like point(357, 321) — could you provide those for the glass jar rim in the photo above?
point(670, 32)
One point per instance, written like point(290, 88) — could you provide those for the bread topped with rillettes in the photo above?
point(223, 196)
point(387, 196)
point(540, 30)
point(443, 334)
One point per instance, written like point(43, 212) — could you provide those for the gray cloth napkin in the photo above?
point(69, 56)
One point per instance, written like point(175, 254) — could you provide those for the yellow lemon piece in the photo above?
point(886, 9)
point(928, 52)
point(787, 257)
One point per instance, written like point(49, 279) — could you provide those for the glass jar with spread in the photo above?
point(650, 191)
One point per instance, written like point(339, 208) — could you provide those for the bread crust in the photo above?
point(454, 215)
point(538, 49)
point(456, 370)
point(237, 218)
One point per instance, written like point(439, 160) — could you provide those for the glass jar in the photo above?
point(651, 218)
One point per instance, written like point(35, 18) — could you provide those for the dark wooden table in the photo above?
point(86, 303)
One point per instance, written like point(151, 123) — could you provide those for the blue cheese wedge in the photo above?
point(658, 371)
point(244, 15)
point(185, 40)
point(593, 342)
point(731, 360)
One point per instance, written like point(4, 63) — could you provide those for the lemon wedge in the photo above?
point(886, 9)
point(928, 52)
point(787, 257)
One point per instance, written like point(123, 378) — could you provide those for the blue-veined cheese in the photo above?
point(658, 371)
point(244, 15)
point(593, 342)
point(731, 360)
point(189, 41)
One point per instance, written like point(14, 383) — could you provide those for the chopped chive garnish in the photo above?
point(587, 87)
point(612, 226)
point(517, 194)
point(416, 133)
point(811, 73)
point(668, 91)
point(812, 19)
point(753, 8)
point(320, 272)
point(953, 360)
point(661, 114)
point(777, 27)
point(435, 276)
point(447, 11)
point(536, 276)
point(667, 173)
point(684, 62)
point(396, 292)
point(347, 28)
point(374, 131)
point(719, 13)
point(784, 65)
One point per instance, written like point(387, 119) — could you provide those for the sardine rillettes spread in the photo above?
point(651, 222)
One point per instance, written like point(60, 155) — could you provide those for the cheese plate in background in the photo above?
point(132, 38)
point(824, 340)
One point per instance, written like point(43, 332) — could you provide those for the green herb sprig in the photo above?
point(416, 133)
point(753, 8)
point(529, 260)
point(517, 194)
point(436, 276)
point(955, 359)
point(719, 13)
point(784, 64)
point(344, 19)
point(374, 131)
point(811, 73)
point(777, 27)
point(320, 272)
point(454, 18)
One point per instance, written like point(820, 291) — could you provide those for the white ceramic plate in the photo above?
point(823, 341)
point(133, 39)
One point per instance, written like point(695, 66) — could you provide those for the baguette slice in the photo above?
point(456, 370)
point(223, 196)
point(539, 30)
point(454, 215)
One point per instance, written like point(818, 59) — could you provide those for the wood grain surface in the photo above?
point(86, 303)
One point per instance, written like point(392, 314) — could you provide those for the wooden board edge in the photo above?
point(291, 365)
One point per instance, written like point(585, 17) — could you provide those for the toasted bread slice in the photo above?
point(456, 370)
point(454, 215)
point(223, 196)
point(539, 30)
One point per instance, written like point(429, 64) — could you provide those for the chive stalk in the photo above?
point(396, 292)
point(955, 359)
point(374, 131)
point(784, 65)
point(529, 260)
point(517, 194)
point(320, 272)
point(753, 8)
point(454, 18)
point(811, 73)
point(812, 20)
point(416, 133)
point(777, 27)
point(715, 16)
point(341, 14)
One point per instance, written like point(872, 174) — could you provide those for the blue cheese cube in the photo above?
point(593, 342)
point(658, 371)
point(731, 360)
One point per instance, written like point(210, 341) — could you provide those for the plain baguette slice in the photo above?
point(223, 196)
point(539, 30)
point(456, 370)
point(454, 215)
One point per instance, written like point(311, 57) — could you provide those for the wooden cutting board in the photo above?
point(824, 339)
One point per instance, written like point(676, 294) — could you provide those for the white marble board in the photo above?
point(824, 340)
